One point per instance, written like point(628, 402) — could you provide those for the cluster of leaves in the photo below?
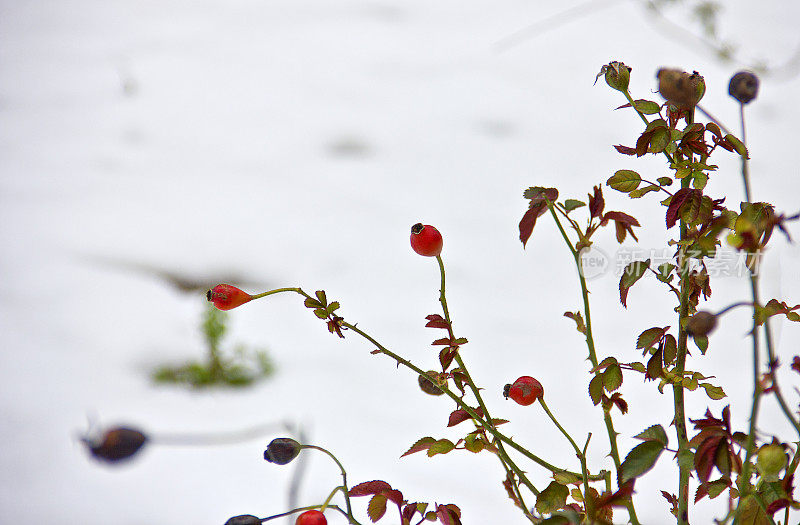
point(382, 493)
point(327, 312)
point(240, 367)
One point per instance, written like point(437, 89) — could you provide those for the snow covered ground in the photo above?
point(295, 142)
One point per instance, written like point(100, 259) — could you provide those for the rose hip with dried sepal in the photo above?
point(426, 240)
point(524, 390)
point(311, 517)
point(701, 324)
point(227, 297)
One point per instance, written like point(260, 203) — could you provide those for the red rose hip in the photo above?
point(426, 240)
point(226, 297)
point(524, 390)
point(311, 517)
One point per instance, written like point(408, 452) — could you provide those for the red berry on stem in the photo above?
point(524, 390)
point(226, 297)
point(311, 517)
point(426, 240)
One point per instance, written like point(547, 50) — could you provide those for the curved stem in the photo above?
point(462, 405)
point(504, 457)
point(612, 434)
point(345, 490)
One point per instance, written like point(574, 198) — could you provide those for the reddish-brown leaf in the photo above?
point(446, 341)
point(675, 203)
point(436, 321)
point(422, 444)
point(370, 488)
point(529, 221)
point(596, 203)
point(408, 512)
point(460, 415)
point(625, 150)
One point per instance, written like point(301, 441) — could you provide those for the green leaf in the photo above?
point(650, 337)
point(552, 498)
point(321, 296)
point(624, 181)
point(664, 181)
point(699, 179)
point(566, 478)
point(641, 459)
point(556, 520)
point(596, 389)
point(702, 343)
point(717, 487)
point(654, 433)
point(321, 313)
point(312, 303)
point(633, 272)
point(332, 307)
point(738, 145)
point(647, 107)
point(442, 446)
point(636, 194)
point(714, 392)
point(571, 204)
point(660, 140)
point(421, 444)
point(670, 349)
point(612, 377)
point(376, 507)
point(639, 367)
point(750, 512)
point(474, 443)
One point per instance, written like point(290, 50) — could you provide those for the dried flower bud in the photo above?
point(116, 444)
point(743, 86)
point(282, 450)
point(244, 519)
point(617, 75)
point(226, 297)
point(701, 324)
point(428, 384)
point(681, 89)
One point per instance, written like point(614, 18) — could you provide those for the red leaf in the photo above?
point(444, 341)
point(370, 488)
point(460, 415)
point(422, 444)
point(395, 496)
point(436, 321)
point(408, 512)
point(529, 221)
point(596, 202)
point(620, 217)
point(675, 204)
point(617, 499)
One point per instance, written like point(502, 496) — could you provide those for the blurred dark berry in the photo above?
point(701, 324)
point(244, 519)
point(116, 444)
point(743, 86)
point(282, 450)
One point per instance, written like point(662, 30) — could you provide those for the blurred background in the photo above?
point(294, 143)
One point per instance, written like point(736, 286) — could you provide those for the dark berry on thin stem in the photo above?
point(244, 519)
point(743, 86)
point(282, 450)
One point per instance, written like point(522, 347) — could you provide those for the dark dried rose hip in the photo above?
point(282, 450)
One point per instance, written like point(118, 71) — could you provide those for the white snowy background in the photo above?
point(295, 143)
